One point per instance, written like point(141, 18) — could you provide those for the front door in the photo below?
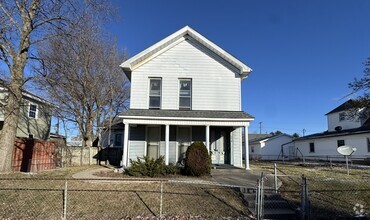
point(220, 146)
point(184, 141)
point(153, 139)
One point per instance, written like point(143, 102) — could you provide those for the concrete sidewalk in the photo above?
point(88, 174)
point(227, 175)
point(241, 177)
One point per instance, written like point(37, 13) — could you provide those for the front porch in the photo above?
point(171, 136)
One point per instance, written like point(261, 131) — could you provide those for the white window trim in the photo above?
point(29, 109)
point(161, 95)
point(191, 92)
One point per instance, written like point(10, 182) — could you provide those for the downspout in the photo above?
point(282, 149)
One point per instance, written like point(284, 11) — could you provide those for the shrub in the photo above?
point(197, 160)
point(147, 166)
point(150, 167)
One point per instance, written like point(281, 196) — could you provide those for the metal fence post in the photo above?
point(65, 200)
point(305, 201)
point(275, 178)
point(161, 202)
point(259, 198)
point(262, 200)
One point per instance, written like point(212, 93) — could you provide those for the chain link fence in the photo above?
point(35, 198)
point(316, 196)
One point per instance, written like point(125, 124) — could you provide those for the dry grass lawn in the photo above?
point(41, 196)
point(333, 193)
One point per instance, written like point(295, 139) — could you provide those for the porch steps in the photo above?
point(275, 207)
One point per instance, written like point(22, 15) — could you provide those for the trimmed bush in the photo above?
point(149, 167)
point(197, 160)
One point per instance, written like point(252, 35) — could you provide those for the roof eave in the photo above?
point(244, 69)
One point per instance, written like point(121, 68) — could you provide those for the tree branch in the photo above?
point(9, 16)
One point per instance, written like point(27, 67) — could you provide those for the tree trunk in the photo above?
point(12, 109)
point(11, 114)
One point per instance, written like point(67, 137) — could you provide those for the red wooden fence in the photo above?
point(31, 155)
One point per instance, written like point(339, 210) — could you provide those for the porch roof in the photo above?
point(185, 114)
point(181, 117)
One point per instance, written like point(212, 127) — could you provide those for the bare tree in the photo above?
point(82, 77)
point(360, 106)
point(24, 24)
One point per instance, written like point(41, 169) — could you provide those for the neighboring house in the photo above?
point(112, 135)
point(342, 130)
point(184, 89)
point(34, 118)
point(273, 147)
point(75, 141)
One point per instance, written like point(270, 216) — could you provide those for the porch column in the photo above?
point(125, 145)
point(207, 138)
point(167, 153)
point(246, 147)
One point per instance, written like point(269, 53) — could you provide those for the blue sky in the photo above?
point(303, 53)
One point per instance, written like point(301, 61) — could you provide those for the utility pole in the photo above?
point(303, 132)
point(260, 127)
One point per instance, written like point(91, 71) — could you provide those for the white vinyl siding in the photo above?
point(136, 149)
point(327, 147)
point(236, 146)
point(215, 84)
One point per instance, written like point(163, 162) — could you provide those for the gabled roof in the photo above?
point(364, 129)
point(264, 139)
point(27, 94)
point(149, 53)
point(343, 107)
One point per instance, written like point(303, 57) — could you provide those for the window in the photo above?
point(340, 143)
point(118, 140)
point(368, 145)
point(312, 147)
point(32, 111)
point(185, 94)
point(252, 149)
point(342, 116)
point(155, 93)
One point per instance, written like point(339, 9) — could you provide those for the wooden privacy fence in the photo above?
point(32, 155)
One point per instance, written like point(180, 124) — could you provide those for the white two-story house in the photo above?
point(342, 130)
point(185, 88)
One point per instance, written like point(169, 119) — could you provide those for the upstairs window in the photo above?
point(185, 94)
point(342, 116)
point(312, 147)
point(340, 143)
point(155, 87)
point(32, 111)
point(368, 145)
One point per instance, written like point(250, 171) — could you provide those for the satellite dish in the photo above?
point(346, 150)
